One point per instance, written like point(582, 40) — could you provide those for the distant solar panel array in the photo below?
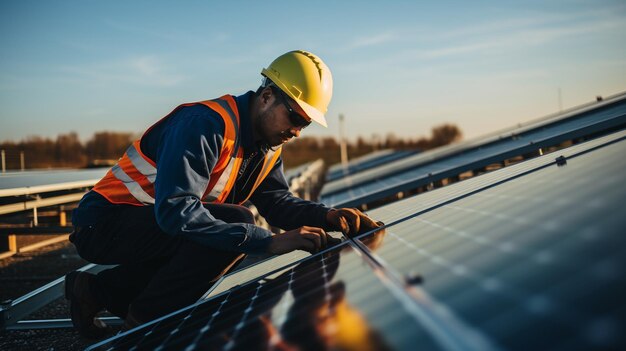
point(528, 257)
point(366, 162)
point(423, 169)
point(34, 182)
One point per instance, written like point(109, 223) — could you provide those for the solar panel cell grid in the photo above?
point(536, 262)
point(333, 300)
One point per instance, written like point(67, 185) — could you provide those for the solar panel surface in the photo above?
point(28, 179)
point(537, 262)
point(295, 172)
point(401, 209)
point(422, 169)
point(331, 300)
point(509, 133)
point(365, 162)
point(258, 269)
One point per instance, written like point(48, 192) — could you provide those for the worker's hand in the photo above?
point(350, 221)
point(311, 239)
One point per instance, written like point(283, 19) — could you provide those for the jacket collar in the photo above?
point(247, 134)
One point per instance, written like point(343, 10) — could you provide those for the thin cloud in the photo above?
point(371, 40)
point(171, 35)
point(515, 33)
point(147, 66)
point(142, 70)
point(534, 21)
point(514, 39)
point(137, 30)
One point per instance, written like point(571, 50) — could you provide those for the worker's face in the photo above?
point(280, 118)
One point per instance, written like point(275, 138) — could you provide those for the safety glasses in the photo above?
point(296, 119)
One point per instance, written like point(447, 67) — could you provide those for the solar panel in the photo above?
point(295, 172)
point(333, 300)
point(422, 169)
point(401, 209)
point(365, 162)
point(578, 113)
point(28, 182)
point(254, 271)
point(535, 263)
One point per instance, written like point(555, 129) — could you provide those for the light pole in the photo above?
point(342, 142)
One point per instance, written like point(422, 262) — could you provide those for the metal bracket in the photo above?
point(12, 312)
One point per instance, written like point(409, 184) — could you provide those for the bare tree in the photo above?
point(445, 134)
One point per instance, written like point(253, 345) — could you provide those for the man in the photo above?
point(168, 213)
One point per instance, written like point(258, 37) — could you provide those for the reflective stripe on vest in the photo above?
point(141, 165)
point(226, 176)
point(222, 181)
point(133, 187)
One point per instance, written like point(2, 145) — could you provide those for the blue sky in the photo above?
point(399, 66)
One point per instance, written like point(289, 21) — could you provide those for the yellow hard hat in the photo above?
point(306, 79)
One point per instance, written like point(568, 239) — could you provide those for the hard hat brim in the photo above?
point(313, 113)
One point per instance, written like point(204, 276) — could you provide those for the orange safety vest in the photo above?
point(131, 180)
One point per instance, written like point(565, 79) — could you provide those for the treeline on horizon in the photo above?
point(68, 151)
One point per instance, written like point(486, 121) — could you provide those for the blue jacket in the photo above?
point(186, 147)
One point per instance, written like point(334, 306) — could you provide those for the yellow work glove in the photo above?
point(350, 221)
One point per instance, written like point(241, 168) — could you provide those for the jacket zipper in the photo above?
point(242, 171)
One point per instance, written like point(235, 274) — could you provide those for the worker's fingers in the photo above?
point(355, 225)
point(368, 223)
point(308, 246)
point(321, 235)
point(324, 239)
point(343, 225)
point(319, 231)
point(312, 242)
point(358, 212)
point(353, 220)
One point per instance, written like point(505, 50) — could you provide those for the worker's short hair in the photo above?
point(266, 82)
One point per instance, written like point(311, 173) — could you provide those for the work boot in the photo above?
point(84, 306)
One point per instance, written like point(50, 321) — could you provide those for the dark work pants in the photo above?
point(157, 273)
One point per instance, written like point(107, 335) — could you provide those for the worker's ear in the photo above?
point(266, 96)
